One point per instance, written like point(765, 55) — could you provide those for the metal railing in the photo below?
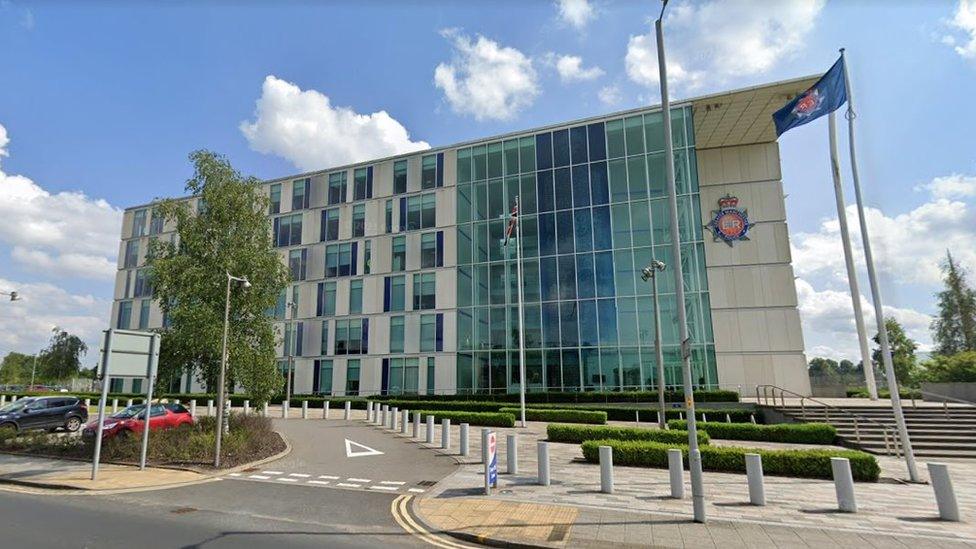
point(766, 392)
point(945, 401)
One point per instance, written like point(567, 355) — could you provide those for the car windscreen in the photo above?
point(15, 406)
point(129, 412)
point(177, 408)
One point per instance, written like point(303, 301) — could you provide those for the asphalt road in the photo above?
point(243, 512)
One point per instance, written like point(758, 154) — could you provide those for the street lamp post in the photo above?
point(221, 392)
point(33, 370)
point(650, 272)
point(293, 307)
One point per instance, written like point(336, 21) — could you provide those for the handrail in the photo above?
point(827, 407)
point(946, 397)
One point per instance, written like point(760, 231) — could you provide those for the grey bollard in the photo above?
point(446, 434)
point(115, 405)
point(728, 418)
point(193, 408)
point(752, 418)
point(383, 411)
point(404, 421)
point(416, 425)
point(843, 484)
point(325, 410)
point(945, 495)
point(676, 468)
point(347, 412)
point(543, 448)
point(430, 430)
point(128, 403)
point(464, 439)
point(247, 407)
point(606, 469)
point(264, 410)
point(3, 401)
point(484, 442)
point(754, 473)
point(511, 454)
point(285, 408)
point(394, 415)
point(304, 409)
point(210, 407)
point(369, 410)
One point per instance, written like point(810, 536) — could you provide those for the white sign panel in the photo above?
point(129, 355)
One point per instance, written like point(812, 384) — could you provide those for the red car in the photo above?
point(132, 420)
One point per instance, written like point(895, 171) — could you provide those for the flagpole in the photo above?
point(521, 300)
point(694, 454)
point(876, 291)
point(849, 261)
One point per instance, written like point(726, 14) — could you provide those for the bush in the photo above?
point(792, 463)
point(564, 416)
point(800, 433)
point(582, 397)
point(461, 406)
point(884, 393)
point(485, 419)
point(576, 434)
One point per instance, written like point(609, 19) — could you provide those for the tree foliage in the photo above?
point(954, 328)
point(15, 369)
point(902, 353)
point(958, 368)
point(230, 234)
point(61, 359)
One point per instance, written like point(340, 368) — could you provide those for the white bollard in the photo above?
point(304, 409)
point(945, 495)
point(446, 434)
point(606, 469)
point(404, 421)
point(430, 430)
point(704, 418)
point(115, 405)
point(193, 408)
point(464, 440)
point(247, 407)
point(728, 418)
point(676, 468)
point(754, 474)
point(347, 412)
point(394, 415)
point(843, 484)
point(369, 410)
point(383, 412)
point(3, 401)
point(325, 410)
point(416, 425)
point(752, 418)
point(285, 408)
point(511, 454)
point(543, 448)
point(210, 407)
point(484, 442)
point(264, 410)
point(128, 403)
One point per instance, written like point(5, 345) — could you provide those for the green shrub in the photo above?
point(792, 463)
point(485, 419)
point(555, 397)
point(576, 434)
point(885, 393)
point(560, 415)
point(461, 406)
point(800, 433)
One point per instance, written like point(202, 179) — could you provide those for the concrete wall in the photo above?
point(753, 296)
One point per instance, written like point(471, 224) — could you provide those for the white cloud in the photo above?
point(576, 12)
point(25, 325)
point(306, 129)
point(486, 80)
point(723, 40)
point(63, 234)
point(570, 68)
point(908, 247)
point(963, 24)
point(951, 186)
point(610, 95)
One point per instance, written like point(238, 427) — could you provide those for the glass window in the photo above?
point(584, 235)
point(324, 378)
point(479, 159)
point(395, 300)
point(463, 165)
point(337, 188)
point(352, 377)
point(274, 193)
point(602, 238)
point(512, 157)
point(324, 349)
point(125, 315)
point(138, 223)
point(388, 216)
point(299, 194)
point(428, 171)
point(567, 277)
point(615, 139)
point(131, 254)
point(355, 297)
point(496, 199)
point(413, 213)
point(527, 201)
point(560, 148)
point(358, 220)
point(399, 253)
point(543, 151)
point(634, 134)
point(330, 225)
point(599, 186)
point(362, 187)
point(396, 334)
point(428, 213)
point(636, 178)
point(598, 146)
point(424, 291)
point(143, 287)
point(288, 230)
point(585, 281)
point(527, 154)
point(589, 323)
point(568, 324)
point(156, 223)
point(550, 324)
point(430, 375)
point(296, 264)
point(463, 244)
point(577, 145)
point(550, 283)
point(494, 160)
point(349, 336)
point(618, 181)
point(464, 203)
point(604, 274)
point(624, 272)
point(400, 177)
point(428, 325)
point(656, 175)
point(368, 257)
point(564, 232)
point(621, 226)
point(564, 189)
point(607, 313)
point(547, 197)
point(144, 313)
point(654, 131)
point(581, 185)
point(428, 250)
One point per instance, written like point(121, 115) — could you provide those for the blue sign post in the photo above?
point(491, 463)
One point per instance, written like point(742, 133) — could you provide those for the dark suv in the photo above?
point(47, 412)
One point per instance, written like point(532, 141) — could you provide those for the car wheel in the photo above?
point(73, 424)
point(9, 427)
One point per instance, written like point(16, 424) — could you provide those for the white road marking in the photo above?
point(366, 450)
point(344, 485)
point(273, 472)
point(415, 490)
point(330, 477)
point(394, 482)
point(319, 482)
point(286, 479)
point(299, 475)
point(357, 479)
point(260, 477)
point(235, 474)
point(382, 487)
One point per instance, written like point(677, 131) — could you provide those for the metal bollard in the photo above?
point(404, 421)
point(128, 403)
point(304, 409)
point(676, 467)
point(728, 418)
point(430, 430)
point(3, 401)
point(754, 473)
point(285, 408)
point(416, 425)
point(394, 415)
point(704, 418)
point(264, 410)
point(945, 495)
point(383, 411)
point(606, 469)
point(752, 418)
point(511, 454)
point(843, 484)
point(193, 408)
point(210, 407)
point(484, 443)
point(347, 413)
point(325, 410)
point(247, 407)
point(464, 439)
point(115, 405)
point(369, 410)
point(543, 449)
point(446, 434)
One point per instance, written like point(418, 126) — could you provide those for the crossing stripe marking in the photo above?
point(300, 475)
point(319, 482)
point(382, 487)
point(344, 485)
point(260, 477)
point(330, 477)
point(235, 474)
point(286, 479)
point(357, 479)
point(273, 472)
point(394, 482)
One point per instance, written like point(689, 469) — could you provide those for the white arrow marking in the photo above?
point(366, 450)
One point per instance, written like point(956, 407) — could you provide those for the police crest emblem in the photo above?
point(729, 222)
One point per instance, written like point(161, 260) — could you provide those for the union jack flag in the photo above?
point(512, 222)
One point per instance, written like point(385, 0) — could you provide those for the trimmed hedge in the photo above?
point(576, 434)
point(485, 419)
point(791, 463)
point(560, 415)
point(595, 397)
point(801, 433)
point(885, 393)
point(461, 406)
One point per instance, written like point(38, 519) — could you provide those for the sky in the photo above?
point(101, 102)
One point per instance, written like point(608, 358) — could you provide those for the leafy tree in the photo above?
point(62, 357)
point(229, 235)
point(902, 353)
point(823, 368)
point(960, 367)
point(16, 368)
point(954, 329)
point(847, 368)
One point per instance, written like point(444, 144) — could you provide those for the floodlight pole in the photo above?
point(221, 392)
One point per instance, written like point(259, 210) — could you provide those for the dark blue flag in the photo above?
point(824, 97)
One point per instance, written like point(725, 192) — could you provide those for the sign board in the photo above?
point(492, 459)
point(129, 353)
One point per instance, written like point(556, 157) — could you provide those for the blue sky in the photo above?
point(100, 104)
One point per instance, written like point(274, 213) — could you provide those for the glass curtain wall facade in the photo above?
point(594, 212)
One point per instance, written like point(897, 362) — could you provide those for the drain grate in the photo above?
point(427, 483)
point(558, 532)
point(182, 510)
